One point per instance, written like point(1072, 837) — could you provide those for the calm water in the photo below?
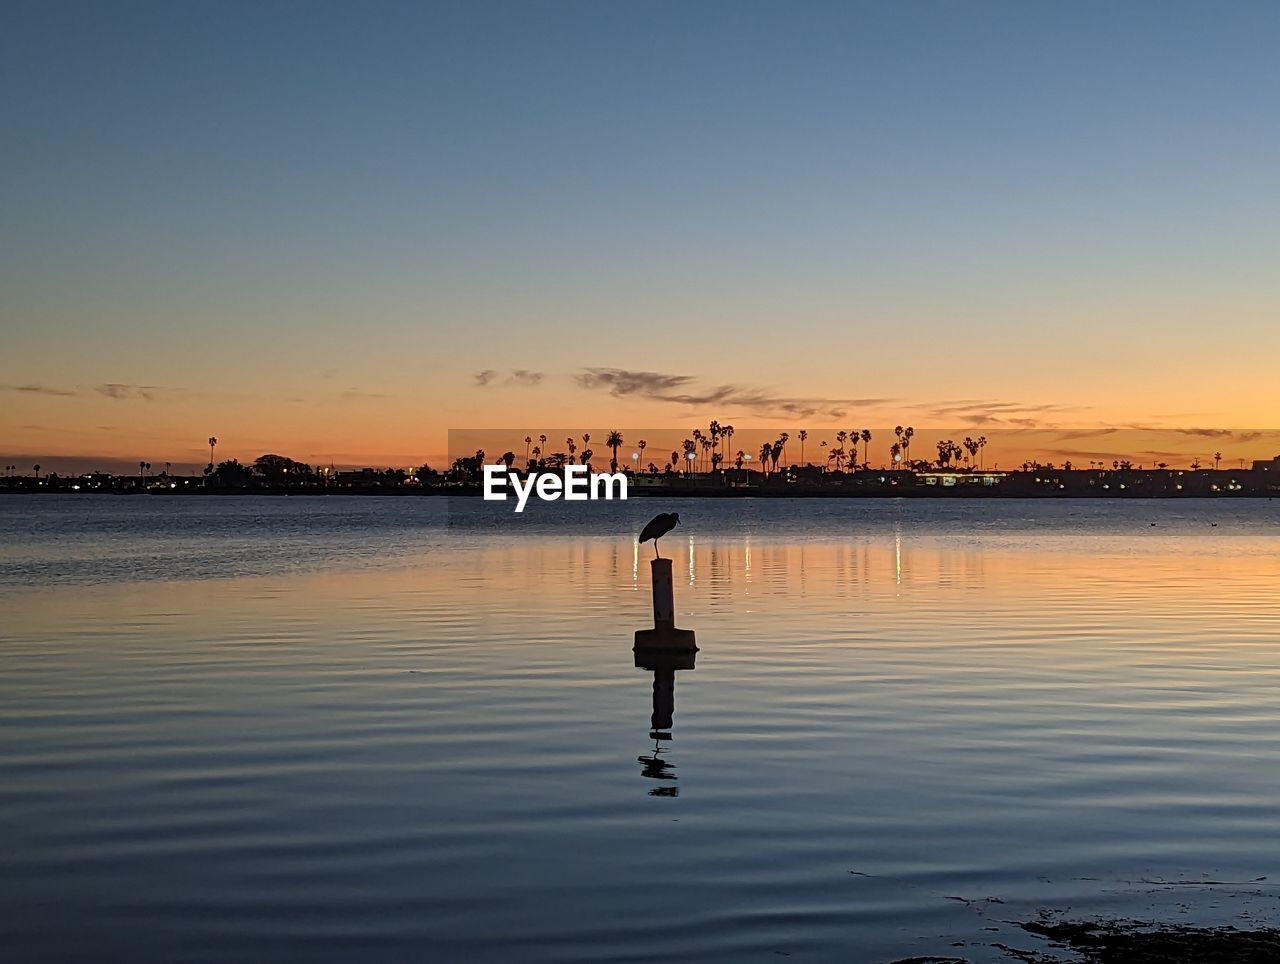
point(392, 729)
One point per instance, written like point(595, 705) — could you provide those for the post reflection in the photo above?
point(654, 767)
point(664, 664)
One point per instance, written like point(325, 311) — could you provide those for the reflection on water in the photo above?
point(655, 767)
point(259, 730)
point(663, 665)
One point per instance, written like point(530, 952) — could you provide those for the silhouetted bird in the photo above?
point(659, 526)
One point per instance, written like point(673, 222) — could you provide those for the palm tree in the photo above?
point(727, 432)
point(841, 436)
point(528, 440)
point(573, 446)
point(1217, 457)
point(765, 450)
point(614, 441)
point(537, 451)
point(542, 440)
point(982, 444)
point(803, 434)
point(946, 449)
point(36, 468)
point(585, 457)
point(907, 433)
point(213, 443)
point(508, 459)
point(783, 439)
point(714, 429)
point(866, 447)
point(642, 445)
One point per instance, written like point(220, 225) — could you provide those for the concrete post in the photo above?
point(664, 602)
point(664, 635)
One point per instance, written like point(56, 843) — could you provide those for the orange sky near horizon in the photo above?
point(72, 428)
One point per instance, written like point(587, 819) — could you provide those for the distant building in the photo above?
point(1271, 467)
point(946, 478)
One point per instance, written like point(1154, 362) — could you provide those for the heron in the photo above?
point(659, 526)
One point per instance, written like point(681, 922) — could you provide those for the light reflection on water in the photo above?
point(360, 728)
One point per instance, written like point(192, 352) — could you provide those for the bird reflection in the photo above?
point(654, 767)
point(663, 663)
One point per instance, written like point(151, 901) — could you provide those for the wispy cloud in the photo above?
point(517, 376)
point(30, 389)
point(1163, 454)
point(1119, 452)
point(683, 390)
point(972, 411)
point(1208, 433)
point(359, 394)
point(121, 393)
point(621, 382)
point(1078, 434)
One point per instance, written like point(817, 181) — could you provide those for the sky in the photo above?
point(337, 231)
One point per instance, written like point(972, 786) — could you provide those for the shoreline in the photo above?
point(920, 492)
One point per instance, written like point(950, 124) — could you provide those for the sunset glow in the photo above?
point(1001, 218)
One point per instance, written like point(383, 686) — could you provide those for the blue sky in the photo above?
point(1069, 204)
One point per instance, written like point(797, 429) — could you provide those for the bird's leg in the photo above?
point(655, 550)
